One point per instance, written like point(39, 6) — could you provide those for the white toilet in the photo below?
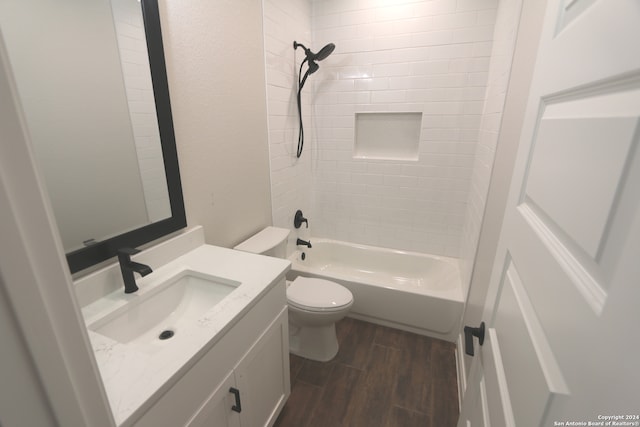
point(315, 305)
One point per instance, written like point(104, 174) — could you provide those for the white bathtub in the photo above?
point(407, 290)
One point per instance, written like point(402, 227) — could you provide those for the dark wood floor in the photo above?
point(380, 377)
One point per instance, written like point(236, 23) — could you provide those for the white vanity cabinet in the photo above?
point(258, 381)
point(252, 357)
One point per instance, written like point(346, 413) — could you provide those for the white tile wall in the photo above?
point(427, 56)
point(501, 58)
point(291, 183)
point(431, 56)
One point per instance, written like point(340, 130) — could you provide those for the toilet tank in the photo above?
point(272, 241)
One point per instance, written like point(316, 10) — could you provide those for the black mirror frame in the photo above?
point(103, 250)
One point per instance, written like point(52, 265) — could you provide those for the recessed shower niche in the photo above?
point(387, 136)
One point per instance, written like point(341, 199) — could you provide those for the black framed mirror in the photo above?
point(91, 79)
point(99, 251)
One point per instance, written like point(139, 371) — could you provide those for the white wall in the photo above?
point(41, 323)
point(22, 398)
point(215, 65)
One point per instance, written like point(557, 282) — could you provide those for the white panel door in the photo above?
point(561, 342)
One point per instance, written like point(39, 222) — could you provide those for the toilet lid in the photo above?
point(318, 294)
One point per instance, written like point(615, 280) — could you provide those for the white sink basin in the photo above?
point(174, 305)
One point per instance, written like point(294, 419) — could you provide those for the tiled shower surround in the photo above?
point(504, 38)
point(291, 178)
point(391, 56)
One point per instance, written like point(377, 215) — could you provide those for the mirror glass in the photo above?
point(92, 83)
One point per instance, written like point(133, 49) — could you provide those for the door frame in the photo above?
point(524, 58)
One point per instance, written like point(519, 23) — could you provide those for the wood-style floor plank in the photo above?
point(300, 405)
point(370, 404)
point(444, 410)
point(400, 417)
point(333, 407)
point(380, 377)
point(316, 373)
point(355, 339)
point(414, 377)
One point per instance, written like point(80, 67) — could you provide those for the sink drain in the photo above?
point(165, 335)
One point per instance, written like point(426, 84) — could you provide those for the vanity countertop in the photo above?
point(134, 378)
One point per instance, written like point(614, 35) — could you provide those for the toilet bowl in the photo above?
point(315, 305)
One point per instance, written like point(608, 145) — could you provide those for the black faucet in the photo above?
point(304, 243)
point(299, 219)
point(128, 267)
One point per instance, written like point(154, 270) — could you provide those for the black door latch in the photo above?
point(469, 333)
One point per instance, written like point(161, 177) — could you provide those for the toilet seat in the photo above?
point(318, 295)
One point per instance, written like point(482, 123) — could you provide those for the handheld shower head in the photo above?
point(322, 54)
point(312, 67)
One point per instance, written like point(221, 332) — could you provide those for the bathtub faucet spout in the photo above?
point(304, 243)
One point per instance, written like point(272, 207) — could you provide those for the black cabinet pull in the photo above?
point(469, 333)
point(238, 406)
